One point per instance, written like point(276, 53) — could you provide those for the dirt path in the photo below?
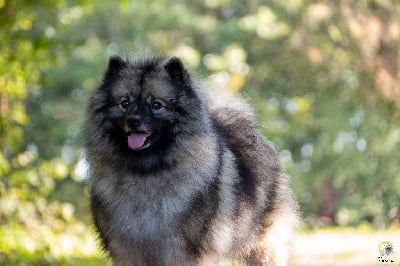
point(344, 248)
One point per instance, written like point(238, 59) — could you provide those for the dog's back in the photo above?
point(262, 188)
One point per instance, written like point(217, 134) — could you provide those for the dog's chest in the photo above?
point(145, 212)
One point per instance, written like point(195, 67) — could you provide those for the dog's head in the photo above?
point(142, 105)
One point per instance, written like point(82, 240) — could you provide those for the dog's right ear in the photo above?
point(115, 65)
point(176, 70)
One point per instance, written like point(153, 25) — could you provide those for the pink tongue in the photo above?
point(136, 140)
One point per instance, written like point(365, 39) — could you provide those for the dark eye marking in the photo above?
point(124, 104)
point(156, 105)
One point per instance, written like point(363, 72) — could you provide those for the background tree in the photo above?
point(323, 76)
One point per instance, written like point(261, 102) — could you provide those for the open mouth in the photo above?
point(139, 140)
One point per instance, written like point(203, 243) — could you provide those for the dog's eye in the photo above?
point(156, 105)
point(124, 104)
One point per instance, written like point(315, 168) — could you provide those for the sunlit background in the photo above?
point(324, 77)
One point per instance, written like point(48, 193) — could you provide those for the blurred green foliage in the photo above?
point(323, 76)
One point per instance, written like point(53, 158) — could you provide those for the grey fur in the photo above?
point(205, 185)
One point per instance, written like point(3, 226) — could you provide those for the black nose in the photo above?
point(134, 120)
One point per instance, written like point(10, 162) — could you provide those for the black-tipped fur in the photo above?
point(115, 65)
point(199, 185)
point(176, 70)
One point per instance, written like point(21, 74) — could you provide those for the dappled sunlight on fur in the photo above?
point(179, 175)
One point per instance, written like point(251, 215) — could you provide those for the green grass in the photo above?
point(64, 262)
point(344, 255)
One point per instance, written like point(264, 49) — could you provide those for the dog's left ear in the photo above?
point(176, 70)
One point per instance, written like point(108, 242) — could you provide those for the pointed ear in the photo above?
point(115, 65)
point(176, 70)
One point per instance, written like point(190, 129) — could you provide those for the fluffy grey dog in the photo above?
point(176, 180)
